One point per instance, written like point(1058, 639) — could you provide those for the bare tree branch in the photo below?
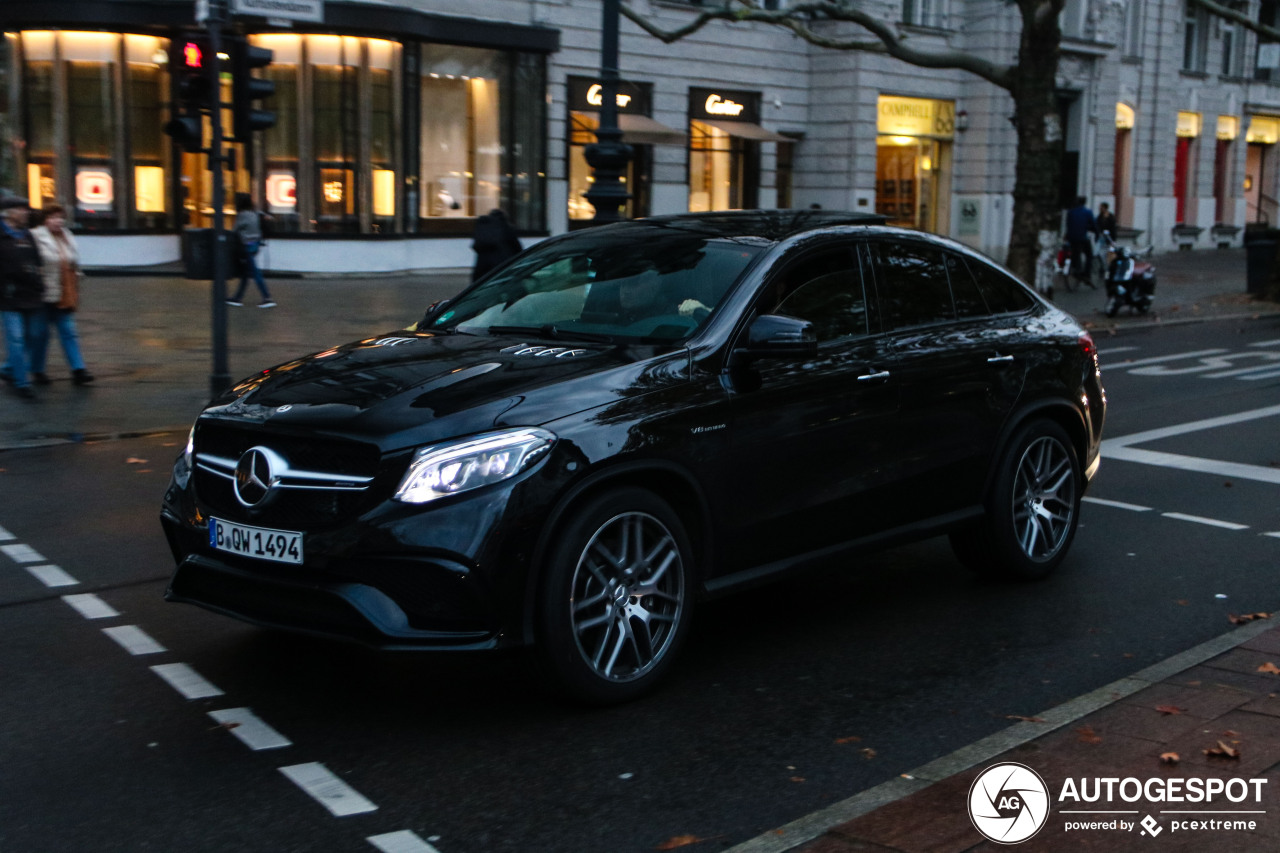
point(887, 39)
point(1237, 16)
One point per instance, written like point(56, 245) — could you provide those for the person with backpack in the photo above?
point(21, 291)
point(247, 233)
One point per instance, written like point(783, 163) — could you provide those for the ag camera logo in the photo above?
point(1008, 803)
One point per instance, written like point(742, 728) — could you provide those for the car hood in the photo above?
point(405, 388)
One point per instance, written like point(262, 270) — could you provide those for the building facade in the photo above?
point(400, 122)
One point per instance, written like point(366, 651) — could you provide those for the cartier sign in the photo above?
point(586, 94)
point(724, 105)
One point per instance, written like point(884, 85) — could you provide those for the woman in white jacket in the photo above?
point(60, 269)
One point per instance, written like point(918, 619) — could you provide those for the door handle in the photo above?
point(878, 376)
point(996, 359)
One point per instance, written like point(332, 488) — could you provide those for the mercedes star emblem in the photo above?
point(257, 472)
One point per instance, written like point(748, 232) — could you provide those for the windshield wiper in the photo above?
point(549, 331)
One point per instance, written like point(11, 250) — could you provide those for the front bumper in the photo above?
point(453, 575)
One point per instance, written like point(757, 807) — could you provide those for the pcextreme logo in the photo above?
point(1009, 803)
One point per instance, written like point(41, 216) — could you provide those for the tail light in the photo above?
point(1087, 346)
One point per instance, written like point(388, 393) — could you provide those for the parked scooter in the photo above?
point(1131, 281)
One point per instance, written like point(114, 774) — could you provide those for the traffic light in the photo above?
point(192, 87)
point(246, 89)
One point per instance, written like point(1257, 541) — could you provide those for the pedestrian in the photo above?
point(247, 237)
point(21, 291)
point(1081, 227)
point(1106, 221)
point(494, 241)
point(60, 273)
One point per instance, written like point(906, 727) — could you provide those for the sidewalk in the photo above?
point(1209, 697)
point(147, 341)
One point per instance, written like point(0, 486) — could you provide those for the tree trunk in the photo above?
point(1036, 215)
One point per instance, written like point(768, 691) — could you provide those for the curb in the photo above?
point(810, 827)
point(91, 437)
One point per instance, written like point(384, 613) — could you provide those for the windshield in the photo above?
point(648, 283)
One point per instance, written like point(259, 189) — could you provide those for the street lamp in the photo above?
point(608, 155)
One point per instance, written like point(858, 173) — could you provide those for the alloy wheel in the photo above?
point(628, 596)
point(1044, 498)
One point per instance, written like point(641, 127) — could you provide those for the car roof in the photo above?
point(772, 225)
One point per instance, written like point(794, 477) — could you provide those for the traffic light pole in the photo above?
point(220, 378)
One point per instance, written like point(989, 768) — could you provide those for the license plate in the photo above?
point(261, 543)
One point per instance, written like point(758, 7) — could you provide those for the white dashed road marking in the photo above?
point(404, 841)
point(186, 680)
point(134, 640)
point(52, 576)
point(90, 606)
point(1275, 343)
point(250, 730)
point(22, 553)
point(327, 789)
point(1161, 359)
point(1116, 504)
point(1212, 522)
point(5, 535)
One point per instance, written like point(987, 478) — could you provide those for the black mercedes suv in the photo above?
point(625, 420)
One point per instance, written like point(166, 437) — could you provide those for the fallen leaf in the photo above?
point(682, 841)
point(1230, 733)
point(1088, 735)
point(1246, 617)
point(1024, 719)
point(1128, 654)
point(1182, 602)
point(1222, 751)
point(849, 739)
point(1269, 667)
point(868, 753)
point(133, 460)
point(1169, 709)
point(227, 726)
point(1170, 757)
point(797, 778)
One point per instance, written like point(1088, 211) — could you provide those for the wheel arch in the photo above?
point(669, 481)
point(1061, 412)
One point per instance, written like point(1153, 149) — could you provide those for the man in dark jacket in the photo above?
point(21, 291)
point(1081, 227)
point(494, 241)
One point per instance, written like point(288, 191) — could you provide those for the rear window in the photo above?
point(1003, 293)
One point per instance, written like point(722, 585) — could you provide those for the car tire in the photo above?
point(617, 597)
point(1032, 511)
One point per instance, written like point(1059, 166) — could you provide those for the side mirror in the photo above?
point(433, 308)
point(776, 336)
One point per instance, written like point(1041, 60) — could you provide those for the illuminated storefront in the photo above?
point(639, 130)
point(416, 131)
point(724, 149)
point(913, 161)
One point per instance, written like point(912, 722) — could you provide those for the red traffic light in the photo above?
point(192, 55)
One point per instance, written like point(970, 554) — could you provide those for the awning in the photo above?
point(746, 130)
point(641, 130)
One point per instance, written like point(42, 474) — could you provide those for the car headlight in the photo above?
point(481, 460)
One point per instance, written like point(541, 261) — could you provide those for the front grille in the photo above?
point(291, 509)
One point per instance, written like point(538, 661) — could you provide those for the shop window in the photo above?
point(718, 163)
point(280, 143)
point(145, 83)
point(582, 132)
point(335, 62)
point(462, 151)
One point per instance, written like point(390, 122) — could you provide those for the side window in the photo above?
point(825, 289)
point(911, 283)
point(964, 290)
point(1003, 294)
